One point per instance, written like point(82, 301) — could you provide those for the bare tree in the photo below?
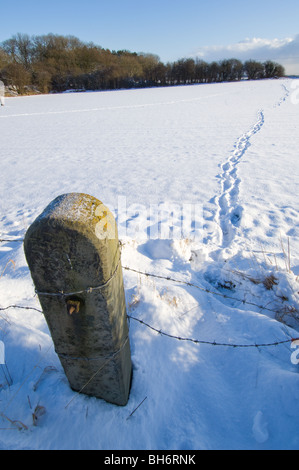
point(273, 70)
point(19, 47)
point(55, 62)
point(254, 70)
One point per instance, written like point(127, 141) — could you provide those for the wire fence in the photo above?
point(188, 284)
point(203, 289)
point(176, 337)
point(20, 426)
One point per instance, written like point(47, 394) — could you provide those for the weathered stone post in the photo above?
point(72, 250)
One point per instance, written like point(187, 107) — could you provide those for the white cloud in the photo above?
point(285, 51)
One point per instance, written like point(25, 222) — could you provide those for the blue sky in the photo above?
point(169, 28)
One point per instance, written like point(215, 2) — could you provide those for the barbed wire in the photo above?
point(180, 338)
point(203, 289)
point(89, 290)
point(20, 307)
point(163, 333)
point(6, 240)
point(211, 343)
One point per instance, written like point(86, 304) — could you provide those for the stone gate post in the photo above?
point(72, 250)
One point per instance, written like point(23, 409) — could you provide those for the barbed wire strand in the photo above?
point(203, 289)
point(157, 276)
point(179, 338)
point(212, 343)
point(20, 307)
point(6, 240)
point(89, 290)
point(142, 322)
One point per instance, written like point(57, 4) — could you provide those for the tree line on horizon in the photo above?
point(56, 63)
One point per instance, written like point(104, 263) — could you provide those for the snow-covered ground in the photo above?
point(203, 181)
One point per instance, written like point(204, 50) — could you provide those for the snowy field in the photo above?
point(203, 181)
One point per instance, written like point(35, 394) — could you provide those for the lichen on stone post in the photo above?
point(72, 250)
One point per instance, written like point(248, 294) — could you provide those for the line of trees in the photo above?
point(55, 63)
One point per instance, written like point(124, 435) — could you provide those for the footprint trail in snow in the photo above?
point(229, 213)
